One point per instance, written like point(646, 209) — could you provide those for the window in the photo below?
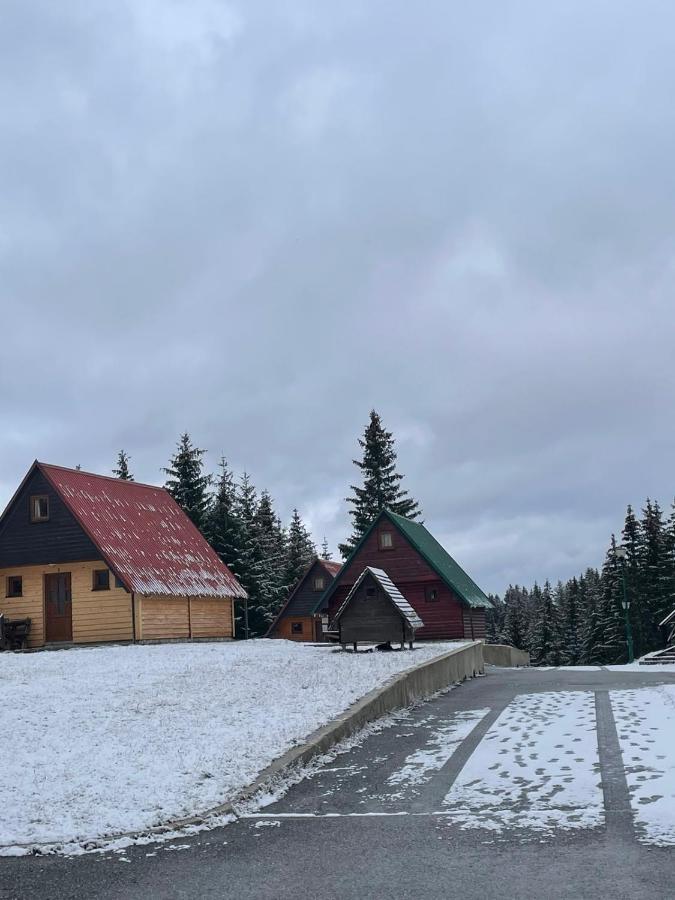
point(386, 540)
point(39, 508)
point(430, 594)
point(296, 627)
point(319, 583)
point(370, 593)
point(14, 586)
point(101, 580)
point(119, 583)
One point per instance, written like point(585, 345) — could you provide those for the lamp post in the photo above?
point(620, 554)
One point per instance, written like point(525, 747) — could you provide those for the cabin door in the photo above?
point(58, 608)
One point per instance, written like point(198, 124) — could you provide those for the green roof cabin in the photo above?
point(446, 600)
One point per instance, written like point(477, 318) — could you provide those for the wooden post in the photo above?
point(190, 617)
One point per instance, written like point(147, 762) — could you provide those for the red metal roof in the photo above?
point(333, 567)
point(143, 535)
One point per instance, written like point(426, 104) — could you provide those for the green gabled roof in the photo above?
point(436, 556)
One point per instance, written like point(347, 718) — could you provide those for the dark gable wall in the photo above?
point(60, 540)
point(306, 598)
point(410, 573)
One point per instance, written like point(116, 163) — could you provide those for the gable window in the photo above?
point(319, 583)
point(39, 508)
point(14, 586)
point(430, 594)
point(370, 593)
point(386, 540)
point(296, 627)
point(101, 580)
point(119, 583)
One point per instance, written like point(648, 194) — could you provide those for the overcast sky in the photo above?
point(256, 220)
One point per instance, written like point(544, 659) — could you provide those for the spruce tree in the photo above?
point(514, 630)
point(381, 488)
point(494, 620)
point(631, 541)
point(614, 647)
point(592, 634)
point(570, 612)
point(656, 575)
point(121, 470)
point(187, 483)
point(270, 585)
point(245, 506)
point(544, 640)
point(325, 550)
point(223, 529)
point(300, 550)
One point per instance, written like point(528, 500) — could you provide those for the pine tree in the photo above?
point(631, 541)
point(569, 603)
point(494, 620)
point(544, 640)
point(187, 483)
point(121, 471)
point(222, 528)
point(592, 634)
point(269, 569)
point(325, 551)
point(614, 648)
point(300, 550)
point(245, 506)
point(381, 483)
point(514, 630)
point(656, 575)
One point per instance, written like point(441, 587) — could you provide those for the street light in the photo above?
point(621, 553)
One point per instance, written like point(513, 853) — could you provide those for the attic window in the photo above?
point(370, 593)
point(431, 594)
point(319, 583)
point(386, 540)
point(101, 580)
point(39, 508)
point(14, 586)
point(296, 627)
point(119, 583)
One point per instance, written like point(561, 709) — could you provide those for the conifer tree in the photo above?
point(544, 639)
point(223, 529)
point(631, 540)
point(614, 649)
point(268, 574)
point(515, 622)
point(570, 618)
point(121, 470)
point(656, 575)
point(245, 506)
point(187, 483)
point(325, 550)
point(381, 488)
point(592, 635)
point(300, 550)
point(494, 620)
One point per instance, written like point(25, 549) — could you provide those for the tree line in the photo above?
point(244, 529)
point(583, 621)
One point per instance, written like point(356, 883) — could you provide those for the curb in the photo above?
point(402, 690)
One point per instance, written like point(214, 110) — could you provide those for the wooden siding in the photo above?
point(373, 618)
point(59, 540)
point(97, 615)
point(284, 628)
point(211, 618)
point(474, 624)
point(443, 618)
point(164, 618)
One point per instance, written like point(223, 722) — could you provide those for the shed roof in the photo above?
point(436, 556)
point(144, 536)
point(390, 590)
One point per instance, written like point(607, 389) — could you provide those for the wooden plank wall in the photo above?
point(166, 618)
point(283, 629)
point(211, 617)
point(443, 618)
point(97, 615)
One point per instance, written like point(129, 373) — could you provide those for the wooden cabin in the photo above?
point(296, 620)
point(92, 559)
point(445, 598)
point(376, 611)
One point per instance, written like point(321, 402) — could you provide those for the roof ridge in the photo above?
point(128, 482)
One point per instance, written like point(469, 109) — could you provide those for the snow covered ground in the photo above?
point(645, 722)
point(537, 767)
point(101, 741)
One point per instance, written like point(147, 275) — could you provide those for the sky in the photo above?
point(257, 220)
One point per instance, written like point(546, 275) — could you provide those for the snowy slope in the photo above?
point(105, 740)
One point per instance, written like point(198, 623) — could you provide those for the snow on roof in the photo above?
point(390, 590)
point(143, 535)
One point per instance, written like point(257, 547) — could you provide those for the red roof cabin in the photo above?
point(296, 620)
point(93, 559)
point(446, 600)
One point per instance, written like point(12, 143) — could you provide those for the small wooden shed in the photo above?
point(376, 611)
